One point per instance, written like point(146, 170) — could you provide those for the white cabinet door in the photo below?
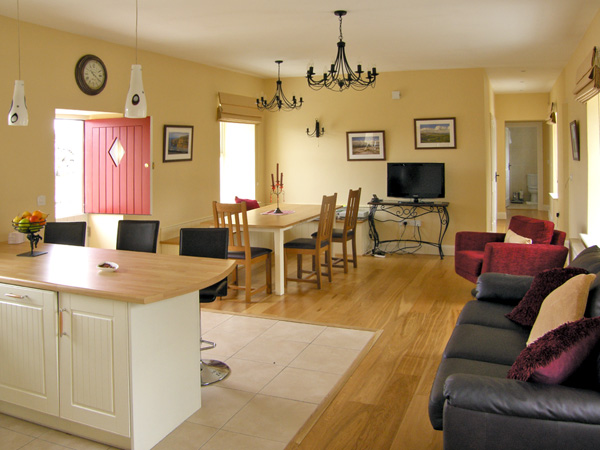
point(28, 348)
point(94, 375)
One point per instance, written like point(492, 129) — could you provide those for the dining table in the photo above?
point(265, 219)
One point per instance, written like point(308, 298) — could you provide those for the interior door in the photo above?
point(117, 166)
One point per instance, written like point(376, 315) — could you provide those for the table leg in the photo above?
point(279, 258)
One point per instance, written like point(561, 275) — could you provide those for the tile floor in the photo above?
point(281, 372)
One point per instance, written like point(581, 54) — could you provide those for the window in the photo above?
point(237, 161)
point(68, 168)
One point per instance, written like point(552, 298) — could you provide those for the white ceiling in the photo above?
point(523, 44)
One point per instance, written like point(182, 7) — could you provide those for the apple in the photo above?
point(23, 225)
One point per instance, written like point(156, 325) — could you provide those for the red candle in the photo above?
point(277, 172)
point(272, 182)
point(281, 181)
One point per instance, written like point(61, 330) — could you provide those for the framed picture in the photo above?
point(435, 133)
point(365, 145)
point(178, 143)
point(574, 140)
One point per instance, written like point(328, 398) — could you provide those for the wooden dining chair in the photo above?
point(320, 245)
point(234, 217)
point(348, 233)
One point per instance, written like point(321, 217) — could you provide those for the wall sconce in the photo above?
point(318, 131)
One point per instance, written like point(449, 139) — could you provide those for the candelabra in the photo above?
point(277, 187)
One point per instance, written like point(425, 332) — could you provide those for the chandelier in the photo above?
point(340, 75)
point(279, 100)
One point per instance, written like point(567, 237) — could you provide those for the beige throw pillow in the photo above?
point(513, 238)
point(564, 304)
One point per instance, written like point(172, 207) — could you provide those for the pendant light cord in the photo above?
point(19, 37)
point(136, 31)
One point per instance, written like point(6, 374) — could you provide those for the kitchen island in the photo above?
point(109, 356)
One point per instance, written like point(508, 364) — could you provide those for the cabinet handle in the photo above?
point(20, 297)
point(60, 321)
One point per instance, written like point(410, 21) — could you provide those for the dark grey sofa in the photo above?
point(479, 408)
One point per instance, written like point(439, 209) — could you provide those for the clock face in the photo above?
point(90, 74)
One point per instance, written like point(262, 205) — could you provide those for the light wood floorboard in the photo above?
point(415, 300)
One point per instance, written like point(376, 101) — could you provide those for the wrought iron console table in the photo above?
point(401, 211)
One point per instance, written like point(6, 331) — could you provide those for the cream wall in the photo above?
point(521, 108)
point(314, 167)
point(573, 175)
point(178, 92)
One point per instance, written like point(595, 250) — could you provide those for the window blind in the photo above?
point(587, 78)
point(238, 109)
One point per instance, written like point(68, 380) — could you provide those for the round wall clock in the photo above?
point(90, 74)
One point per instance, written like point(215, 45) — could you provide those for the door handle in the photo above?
point(20, 297)
point(60, 321)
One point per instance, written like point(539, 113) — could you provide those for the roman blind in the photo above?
point(238, 109)
point(587, 78)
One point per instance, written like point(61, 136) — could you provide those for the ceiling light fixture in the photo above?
point(135, 105)
point(340, 75)
point(18, 115)
point(279, 100)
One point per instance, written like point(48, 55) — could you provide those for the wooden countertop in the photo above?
point(141, 277)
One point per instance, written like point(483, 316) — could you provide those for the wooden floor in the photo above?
point(415, 300)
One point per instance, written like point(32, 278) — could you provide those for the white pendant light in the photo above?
point(135, 105)
point(18, 115)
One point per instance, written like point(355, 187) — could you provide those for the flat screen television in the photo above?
point(416, 181)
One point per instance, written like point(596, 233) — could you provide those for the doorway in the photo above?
point(524, 171)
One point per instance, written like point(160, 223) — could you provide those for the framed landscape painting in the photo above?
point(435, 133)
point(178, 143)
point(365, 145)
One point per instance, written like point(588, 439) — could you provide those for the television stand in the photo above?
point(401, 211)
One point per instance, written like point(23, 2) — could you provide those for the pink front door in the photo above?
point(117, 166)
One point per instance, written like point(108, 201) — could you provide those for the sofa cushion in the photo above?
point(539, 231)
point(589, 259)
point(564, 304)
point(557, 354)
point(543, 284)
point(481, 343)
point(502, 287)
point(250, 203)
point(487, 314)
point(450, 366)
point(513, 238)
point(469, 261)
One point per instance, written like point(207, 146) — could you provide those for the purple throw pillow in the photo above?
point(552, 358)
point(543, 283)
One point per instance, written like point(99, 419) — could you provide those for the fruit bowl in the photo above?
point(30, 223)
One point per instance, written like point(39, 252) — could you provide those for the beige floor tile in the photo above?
point(38, 444)
point(219, 405)
point(21, 426)
point(70, 441)
point(344, 338)
point(11, 440)
point(272, 418)
point(224, 440)
point(293, 331)
point(211, 320)
point(325, 359)
point(187, 436)
point(247, 324)
point(273, 351)
point(249, 376)
point(302, 385)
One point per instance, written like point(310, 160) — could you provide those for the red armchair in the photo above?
point(479, 252)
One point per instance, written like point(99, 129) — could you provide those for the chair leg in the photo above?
point(248, 269)
point(285, 269)
point(268, 274)
point(354, 259)
point(345, 255)
point(317, 256)
point(299, 266)
point(329, 263)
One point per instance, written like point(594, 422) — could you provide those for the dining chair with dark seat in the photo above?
point(138, 235)
point(348, 232)
point(66, 233)
point(208, 243)
point(233, 216)
point(320, 244)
